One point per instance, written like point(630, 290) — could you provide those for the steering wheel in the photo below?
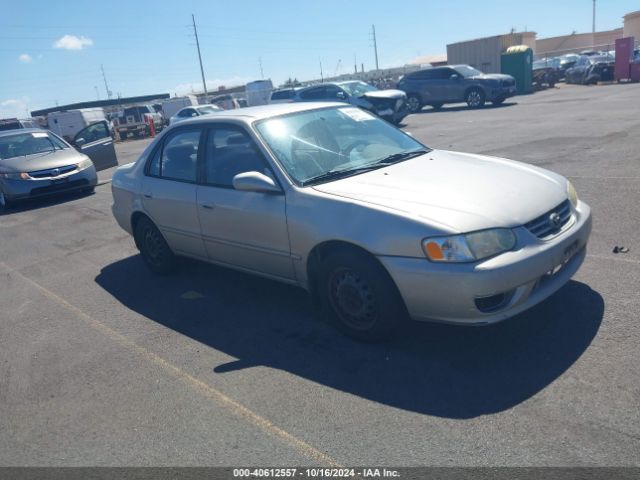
point(347, 150)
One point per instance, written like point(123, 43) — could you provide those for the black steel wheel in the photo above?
point(414, 104)
point(359, 296)
point(153, 247)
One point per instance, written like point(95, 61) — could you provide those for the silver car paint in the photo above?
point(386, 212)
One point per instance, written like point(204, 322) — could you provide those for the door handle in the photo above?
point(207, 206)
point(148, 195)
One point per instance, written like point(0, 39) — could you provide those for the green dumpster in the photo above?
point(517, 61)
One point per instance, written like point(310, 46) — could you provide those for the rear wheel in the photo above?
point(359, 296)
point(153, 247)
point(475, 98)
point(414, 104)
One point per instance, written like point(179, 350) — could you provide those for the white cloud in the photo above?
point(25, 58)
point(72, 42)
point(14, 107)
point(212, 85)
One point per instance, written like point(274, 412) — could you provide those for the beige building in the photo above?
point(484, 53)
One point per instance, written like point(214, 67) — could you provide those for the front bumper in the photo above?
point(15, 190)
point(448, 292)
point(502, 92)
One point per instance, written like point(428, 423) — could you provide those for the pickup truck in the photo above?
point(134, 121)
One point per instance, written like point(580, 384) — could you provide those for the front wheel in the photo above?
point(414, 104)
point(153, 247)
point(475, 98)
point(359, 296)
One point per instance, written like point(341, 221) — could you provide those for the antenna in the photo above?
point(106, 85)
point(195, 31)
point(375, 45)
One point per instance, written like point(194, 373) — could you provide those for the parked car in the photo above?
point(15, 123)
point(67, 123)
point(226, 101)
point(173, 105)
point(566, 62)
point(283, 95)
point(545, 74)
point(454, 84)
point(36, 163)
point(376, 225)
point(195, 111)
point(387, 104)
point(590, 70)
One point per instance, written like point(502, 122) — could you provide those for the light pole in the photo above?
point(593, 26)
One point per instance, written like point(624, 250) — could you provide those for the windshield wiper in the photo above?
point(347, 172)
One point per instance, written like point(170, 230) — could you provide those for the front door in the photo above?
point(239, 228)
point(169, 191)
point(97, 144)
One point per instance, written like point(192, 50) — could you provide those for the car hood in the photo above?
point(379, 94)
point(457, 192)
point(40, 161)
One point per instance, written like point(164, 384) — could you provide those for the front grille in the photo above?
point(53, 172)
point(544, 227)
point(59, 187)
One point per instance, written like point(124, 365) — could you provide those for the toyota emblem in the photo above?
point(554, 220)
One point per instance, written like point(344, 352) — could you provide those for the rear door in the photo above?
point(169, 190)
point(95, 142)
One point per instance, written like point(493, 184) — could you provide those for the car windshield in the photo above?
point(467, 71)
point(25, 144)
point(357, 88)
point(313, 145)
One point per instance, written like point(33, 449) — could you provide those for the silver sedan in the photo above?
point(193, 112)
point(375, 225)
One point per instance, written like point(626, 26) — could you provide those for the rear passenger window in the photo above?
point(177, 160)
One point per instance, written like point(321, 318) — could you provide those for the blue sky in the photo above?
point(52, 51)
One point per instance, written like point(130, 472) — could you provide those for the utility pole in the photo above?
point(355, 64)
point(375, 45)
point(321, 76)
point(261, 71)
point(195, 31)
point(106, 85)
point(97, 94)
point(593, 26)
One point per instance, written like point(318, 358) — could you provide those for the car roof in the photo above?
point(249, 114)
point(6, 133)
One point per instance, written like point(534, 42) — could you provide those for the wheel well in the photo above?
point(320, 251)
point(135, 218)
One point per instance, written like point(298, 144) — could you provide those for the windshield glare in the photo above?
point(357, 88)
point(467, 71)
point(26, 144)
point(312, 143)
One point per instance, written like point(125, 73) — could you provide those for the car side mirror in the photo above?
point(80, 142)
point(255, 182)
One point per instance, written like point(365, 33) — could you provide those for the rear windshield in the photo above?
point(282, 94)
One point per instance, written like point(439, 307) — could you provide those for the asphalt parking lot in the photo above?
point(103, 363)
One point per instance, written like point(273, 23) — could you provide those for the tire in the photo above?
point(153, 247)
point(475, 98)
point(437, 106)
point(414, 104)
point(358, 295)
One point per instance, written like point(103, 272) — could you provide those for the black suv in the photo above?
point(454, 84)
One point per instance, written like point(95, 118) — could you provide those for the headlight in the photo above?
point(469, 247)
point(572, 194)
point(85, 163)
point(15, 176)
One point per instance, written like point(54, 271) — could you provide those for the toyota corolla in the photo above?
point(375, 225)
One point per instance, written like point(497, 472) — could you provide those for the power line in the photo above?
point(195, 31)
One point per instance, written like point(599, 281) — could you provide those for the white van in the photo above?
point(173, 105)
point(69, 122)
